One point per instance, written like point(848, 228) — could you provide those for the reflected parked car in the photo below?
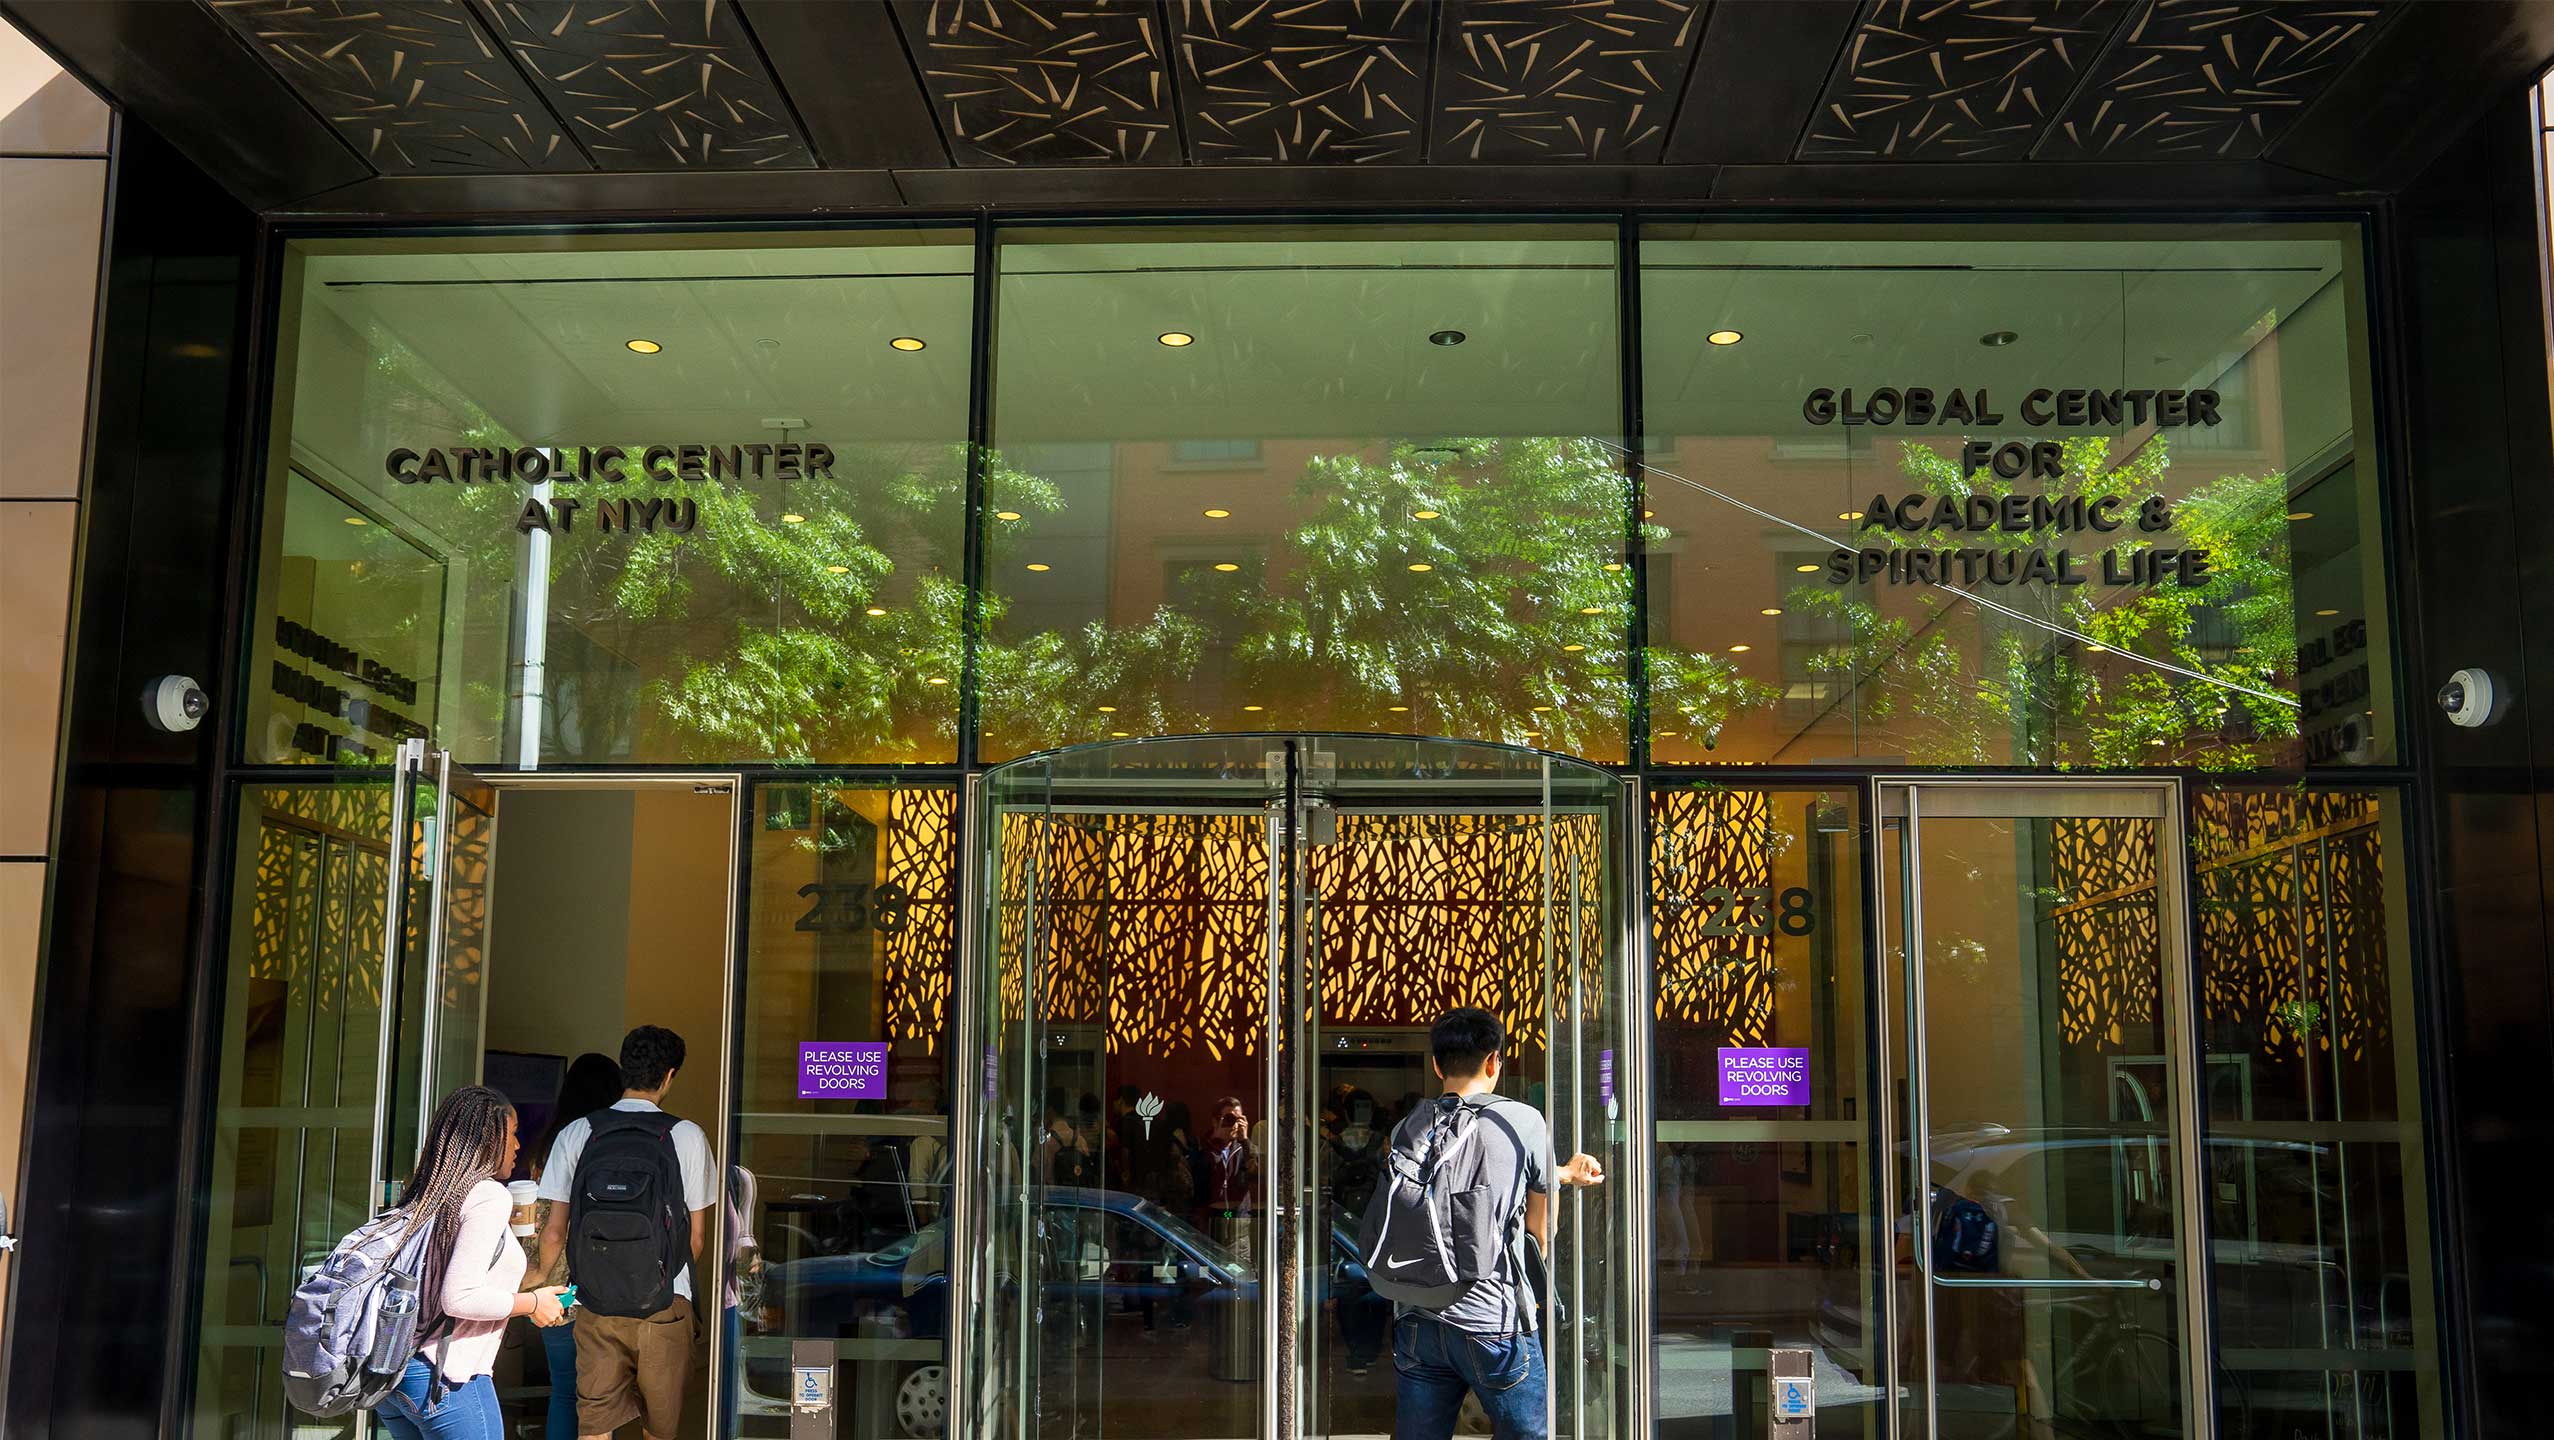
point(2096, 1204)
point(1123, 1285)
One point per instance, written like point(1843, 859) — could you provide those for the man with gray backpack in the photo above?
point(1466, 1186)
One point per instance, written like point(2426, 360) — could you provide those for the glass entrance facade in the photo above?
point(1913, 762)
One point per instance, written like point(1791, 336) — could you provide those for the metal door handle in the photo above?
point(1983, 1284)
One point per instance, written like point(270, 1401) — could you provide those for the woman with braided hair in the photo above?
point(468, 1291)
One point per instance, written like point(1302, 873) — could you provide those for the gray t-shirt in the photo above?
point(1516, 1157)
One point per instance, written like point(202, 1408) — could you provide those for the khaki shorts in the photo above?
point(632, 1367)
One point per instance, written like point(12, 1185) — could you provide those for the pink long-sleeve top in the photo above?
point(480, 1284)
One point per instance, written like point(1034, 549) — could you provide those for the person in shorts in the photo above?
point(633, 1367)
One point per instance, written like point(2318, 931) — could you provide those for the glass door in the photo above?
point(351, 1000)
point(2039, 1037)
point(435, 950)
point(1200, 982)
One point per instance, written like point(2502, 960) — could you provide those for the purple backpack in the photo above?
point(352, 1327)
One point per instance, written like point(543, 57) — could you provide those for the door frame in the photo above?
point(731, 785)
point(1905, 798)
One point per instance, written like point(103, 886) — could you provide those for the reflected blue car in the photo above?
point(1179, 1298)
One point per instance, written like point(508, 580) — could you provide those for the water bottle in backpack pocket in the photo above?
point(629, 1230)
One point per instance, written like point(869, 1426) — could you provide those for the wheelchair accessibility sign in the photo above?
point(1793, 1400)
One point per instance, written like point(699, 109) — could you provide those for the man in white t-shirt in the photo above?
point(632, 1367)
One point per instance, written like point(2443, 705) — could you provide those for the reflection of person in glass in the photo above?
point(744, 1291)
point(1182, 1161)
point(1065, 1155)
point(1982, 1230)
point(1232, 1171)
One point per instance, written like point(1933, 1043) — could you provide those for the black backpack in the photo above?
point(629, 1232)
point(1965, 1235)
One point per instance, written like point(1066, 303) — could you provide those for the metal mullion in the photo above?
point(1919, 1082)
point(968, 1255)
point(1628, 372)
point(395, 909)
point(2173, 930)
point(1884, 1168)
point(979, 439)
point(1632, 1083)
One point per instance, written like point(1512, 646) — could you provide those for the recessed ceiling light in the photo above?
point(1038, 567)
point(937, 680)
point(1806, 569)
point(1253, 709)
point(1424, 514)
point(1006, 514)
point(837, 569)
point(357, 520)
point(1227, 566)
point(1997, 339)
point(1724, 337)
point(1770, 610)
point(1740, 649)
point(905, 343)
point(1176, 338)
point(793, 518)
point(2327, 614)
point(877, 609)
point(1421, 567)
point(1573, 649)
point(1219, 514)
point(2301, 514)
point(1398, 709)
point(643, 347)
point(1446, 337)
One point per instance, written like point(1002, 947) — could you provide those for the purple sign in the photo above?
point(853, 1070)
point(1604, 1077)
point(1764, 1075)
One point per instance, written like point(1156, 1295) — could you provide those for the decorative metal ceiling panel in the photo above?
point(1065, 82)
point(654, 84)
point(1530, 81)
point(416, 86)
point(1947, 80)
point(1316, 82)
point(2209, 79)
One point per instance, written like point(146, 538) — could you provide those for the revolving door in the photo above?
point(1198, 985)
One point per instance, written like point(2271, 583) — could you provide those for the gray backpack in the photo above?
point(352, 1327)
point(1433, 1227)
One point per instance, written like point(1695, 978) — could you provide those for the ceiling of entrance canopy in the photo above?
point(747, 106)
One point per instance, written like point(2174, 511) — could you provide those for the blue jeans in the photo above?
point(466, 1412)
point(1439, 1364)
point(558, 1342)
